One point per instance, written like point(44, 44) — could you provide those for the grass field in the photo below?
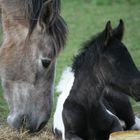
point(85, 19)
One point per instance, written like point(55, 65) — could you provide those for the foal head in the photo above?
point(34, 34)
point(108, 59)
point(116, 65)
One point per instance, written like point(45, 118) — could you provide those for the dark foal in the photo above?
point(104, 63)
point(116, 103)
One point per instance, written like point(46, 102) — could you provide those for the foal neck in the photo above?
point(87, 89)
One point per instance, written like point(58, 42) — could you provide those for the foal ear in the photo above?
point(107, 33)
point(118, 32)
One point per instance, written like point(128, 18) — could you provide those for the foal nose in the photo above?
point(29, 122)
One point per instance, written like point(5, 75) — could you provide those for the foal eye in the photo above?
point(45, 63)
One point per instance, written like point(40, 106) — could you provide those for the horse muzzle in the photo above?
point(28, 122)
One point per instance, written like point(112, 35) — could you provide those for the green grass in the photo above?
point(3, 107)
point(85, 19)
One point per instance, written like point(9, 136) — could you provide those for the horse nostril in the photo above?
point(24, 122)
point(42, 120)
point(41, 125)
point(15, 120)
point(34, 127)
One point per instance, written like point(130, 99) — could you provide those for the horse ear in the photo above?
point(107, 33)
point(118, 32)
point(50, 11)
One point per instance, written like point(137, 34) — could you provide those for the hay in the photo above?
point(7, 133)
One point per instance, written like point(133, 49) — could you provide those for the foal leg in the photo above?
point(74, 121)
point(122, 107)
point(105, 123)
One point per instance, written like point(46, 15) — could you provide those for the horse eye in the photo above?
point(46, 63)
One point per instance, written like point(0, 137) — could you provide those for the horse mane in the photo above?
point(87, 53)
point(52, 22)
point(32, 11)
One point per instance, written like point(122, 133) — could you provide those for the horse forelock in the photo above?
point(47, 13)
point(35, 9)
point(32, 10)
point(30, 33)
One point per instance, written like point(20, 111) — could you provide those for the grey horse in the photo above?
point(34, 34)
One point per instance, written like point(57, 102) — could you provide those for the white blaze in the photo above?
point(64, 88)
